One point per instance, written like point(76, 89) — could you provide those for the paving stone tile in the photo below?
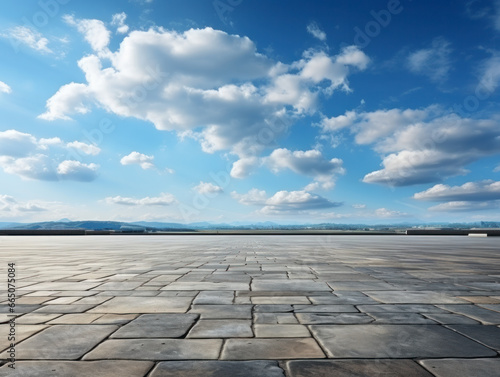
point(482, 315)
point(401, 308)
point(22, 332)
point(414, 297)
point(481, 299)
point(114, 319)
point(33, 300)
point(206, 286)
point(118, 286)
point(61, 286)
point(36, 318)
point(217, 328)
point(62, 342)
point(360, 286)
point(401, 318)
point(281, 293)
point(157, 326)
point(333, 318)
point(281, 300)
point(279, 308)
point(345, 300)
point(63, 309)
point(75, 319)
point(494, 307)
point(289, 285)
point(156, 349)
point(324, 309)
point(178, 293)
point(214, 298)
point(257, 368)
point(223, 311)
point(62, 300)
point(275, 318)
point(274, 349)
point(357, 368)
point(281, 331)
point(395, 341)
point(463, 367)
point(55, 368)
point(451, 319)
point(487, 335)
point(124, 305)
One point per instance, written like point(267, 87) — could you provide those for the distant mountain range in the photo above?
point(145, 226)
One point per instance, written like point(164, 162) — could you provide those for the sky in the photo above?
point(249, 111)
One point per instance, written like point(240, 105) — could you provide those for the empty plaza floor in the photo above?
point(250, 306)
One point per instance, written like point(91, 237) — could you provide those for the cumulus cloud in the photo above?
point(244, 166)
point(208, 188)
point(118, 20)
point(316, 32)
point(284, 202)
point(164, 199)
point(23, 35)
point(465, 206)
point(223, 93)
point(10, 205)
point(89, 149)
point(136, 158)
point(359, 206)
point(470, 191)
point(4, 88)
point(21, 154)
point(94, 32)
point(433, 62)
point(310, 163)
point(423, 145)
point(385, 213)
point(489, 75)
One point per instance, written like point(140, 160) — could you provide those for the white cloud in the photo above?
point(470, 191)
point(77, 171)
point(145, 161)
point(423, 145)
point(16, 144)
point(208, 188)
point(4, 88)
point(252, 197)
point(28, 37)
point(244, 166)
point(338, 122)
point(465, 206)
point(310, 163)
point(316, 32)
point(497, 169)
point(490, 75)
point(94, 32)
point(85, 148)
point(118, 20)
point(359, 206)
point(385, 213)
point(20, 155)
point(11, 207)
point(224, 93)
point(164, 199)
point(284, 202)
point(433, 62)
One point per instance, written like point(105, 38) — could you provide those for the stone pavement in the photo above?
point(252, 306)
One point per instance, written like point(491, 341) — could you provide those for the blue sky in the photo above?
point(239, 110)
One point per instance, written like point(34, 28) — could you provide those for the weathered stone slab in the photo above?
point(351, 368)
point(124, 305)
point(281, 331)
point(482, 315)
point(227, 328)
point(289, 285)
point(157, 326)
point(344, 300)
point(156, 349)
point(217, 368)
point(36, 318)
point(214, 298)
point(22, 332)
point(487, 335)
point(333, 318)
point(206, 286)
point(279, 308)
point(414, 297)
point(494, 307)
point(63, 309)
point(114, 319)
point(401, 318)
point(324, 309)
point(463, 367)
point(62, 286)
point(281, 300)
point(223, 311)
point(118, 286)
point(395, 341)
point(275, 318)
point(55, 368)
point(62, 342)
point(401, 308)
point(75, 319)
point(451, 319)
point(274, 349)
point(360, 286)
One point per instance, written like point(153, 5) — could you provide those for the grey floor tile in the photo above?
point(256, 368)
